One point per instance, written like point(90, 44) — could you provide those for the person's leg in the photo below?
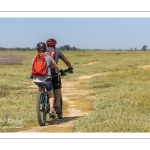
point(56, 80)
point(48, 85)
point(51, 100)
point(58, 97)
point(49, 88)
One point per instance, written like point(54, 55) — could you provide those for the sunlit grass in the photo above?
point(17, 109)
point(123, 98)
point(123, 103)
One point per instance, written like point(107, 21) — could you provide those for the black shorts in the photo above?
point(56, 81)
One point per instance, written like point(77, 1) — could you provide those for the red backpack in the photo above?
point(39, 65)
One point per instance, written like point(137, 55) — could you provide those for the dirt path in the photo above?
point(145, 67)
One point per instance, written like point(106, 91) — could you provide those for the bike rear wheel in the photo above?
point(40, 109)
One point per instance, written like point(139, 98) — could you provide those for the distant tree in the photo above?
point(73, 48)
point(66, 47)
point(28, 48)
point(144, 48)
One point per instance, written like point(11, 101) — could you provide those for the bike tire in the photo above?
point(41, 114)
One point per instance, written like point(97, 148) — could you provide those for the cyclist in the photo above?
point(56, 80)
point(46, 79)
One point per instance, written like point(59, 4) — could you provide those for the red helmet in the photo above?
point(51, 42)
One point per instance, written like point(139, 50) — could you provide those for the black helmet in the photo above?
point(41, 45)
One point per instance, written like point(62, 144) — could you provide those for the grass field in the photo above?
point(123, 94)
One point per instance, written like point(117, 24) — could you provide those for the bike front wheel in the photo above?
point(40, 109)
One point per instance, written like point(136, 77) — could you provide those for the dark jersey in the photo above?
point(58, 55)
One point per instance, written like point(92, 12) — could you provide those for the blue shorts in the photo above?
point(47, 83)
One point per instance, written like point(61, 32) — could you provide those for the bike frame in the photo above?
point(46, 96)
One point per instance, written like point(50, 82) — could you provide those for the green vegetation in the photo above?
point(123, 103)
point(123, 95)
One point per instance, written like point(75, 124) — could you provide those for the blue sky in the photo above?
point(84, 33)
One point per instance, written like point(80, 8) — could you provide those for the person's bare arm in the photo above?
point(67, 62)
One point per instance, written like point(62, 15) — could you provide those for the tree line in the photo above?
point(64, 48)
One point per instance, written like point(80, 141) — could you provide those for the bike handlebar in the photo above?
point(62, 73)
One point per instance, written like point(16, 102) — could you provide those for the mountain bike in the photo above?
point(42, 104)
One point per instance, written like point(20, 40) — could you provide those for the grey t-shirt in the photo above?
point(58, 55)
